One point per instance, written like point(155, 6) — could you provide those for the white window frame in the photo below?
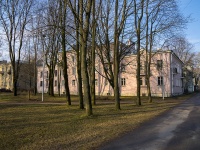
point(123, 81)
point(160, 80)
point(73, 82)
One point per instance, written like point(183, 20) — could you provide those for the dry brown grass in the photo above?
point(32, 125)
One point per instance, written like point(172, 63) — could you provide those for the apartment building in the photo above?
point(166, 76)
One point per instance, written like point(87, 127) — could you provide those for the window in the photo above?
point(123, 68)
point(47, 74)
point(106, 81)
point(96, 82)
point(123, 81)
point(111, 54)
point(160, 80)
point(47, 83)
point(73, 59)
point(159, 64)
point(55, 73)
point(41, 74)
point(55, 83)
point(41, 84)
point(145, 81)
point(106, 67)
point(175, 70)
point(178, 83)
point(63, 82)
point(141, 81)
point(73, 82)
point(73, 70)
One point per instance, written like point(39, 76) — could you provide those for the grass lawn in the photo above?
point(32, 125)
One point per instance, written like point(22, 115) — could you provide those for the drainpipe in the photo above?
point(172, 90)
point(43, 80)
point(98, 80)
point(163, 86)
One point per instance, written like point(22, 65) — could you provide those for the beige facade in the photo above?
point(166, 76)
point(58, 76)
point(166, 80)
point(5, 75)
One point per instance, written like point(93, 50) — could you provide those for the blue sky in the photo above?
point(192, 8)
point(192, 32)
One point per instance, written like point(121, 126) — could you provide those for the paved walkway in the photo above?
point(177, 129)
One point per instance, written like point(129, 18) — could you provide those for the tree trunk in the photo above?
point(59, 77)
point(14, 84)
point(65, 70)
point(116, 59)
point(51, 82)
point(148, 83)
point(149, 65)
point(138, 20)
point(35, 71)
point(84, 32)
point(83, 41)
point(93, 55)
point(138, 73)
point(64, 57)
point(80, 90)
point(78, 55)
point(148, 55)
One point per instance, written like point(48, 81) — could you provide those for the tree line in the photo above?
point(92, 28)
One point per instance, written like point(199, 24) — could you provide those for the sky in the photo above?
point(192, 8)
point(192, 31)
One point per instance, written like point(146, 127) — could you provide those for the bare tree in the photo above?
point(161, 19)
point(35, 29)
point(63, 15)
point(85, 8)
point(118, 28)
point(182, 47)
point(184, 50)
point(111, 35)
point(14, 17)
point(52, 45)
point(26, 68)
point(105, 37)
point(93, 53)
point(138, 16)
point(78, 53)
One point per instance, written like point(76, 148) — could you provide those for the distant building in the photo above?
point(188, 80)
point(25, 79)
point(5, 75)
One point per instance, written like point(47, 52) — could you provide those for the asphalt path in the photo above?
point(176, 129)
